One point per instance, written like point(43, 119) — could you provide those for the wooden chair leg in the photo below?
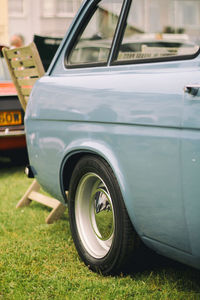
point(56, 213)
point(25, 201)
point(32, 194)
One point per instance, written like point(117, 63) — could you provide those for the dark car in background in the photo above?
point(47, 47)
point(12, 134)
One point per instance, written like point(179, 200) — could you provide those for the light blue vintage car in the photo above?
point(116, 122)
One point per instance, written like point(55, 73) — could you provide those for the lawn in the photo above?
point(39, 261)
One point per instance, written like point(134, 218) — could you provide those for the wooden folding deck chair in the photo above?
point(25, 68)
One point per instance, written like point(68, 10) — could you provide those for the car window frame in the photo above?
point(114, 62)
point(87, 16)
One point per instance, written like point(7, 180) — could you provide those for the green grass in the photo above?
point(39, 261)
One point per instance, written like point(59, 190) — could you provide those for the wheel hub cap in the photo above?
point(94, 215)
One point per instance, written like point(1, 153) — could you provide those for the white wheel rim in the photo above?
point(94, 215)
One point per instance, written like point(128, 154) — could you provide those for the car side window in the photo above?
point(157, 29)
point(94, 42)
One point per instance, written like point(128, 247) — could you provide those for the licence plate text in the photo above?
point(10, 118)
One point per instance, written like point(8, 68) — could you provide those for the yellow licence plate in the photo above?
point(10, 118)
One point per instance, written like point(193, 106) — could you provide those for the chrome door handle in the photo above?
point(192, 89)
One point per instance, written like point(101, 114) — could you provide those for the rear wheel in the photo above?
point(101, 229)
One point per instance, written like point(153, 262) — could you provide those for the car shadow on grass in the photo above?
point(150, 264)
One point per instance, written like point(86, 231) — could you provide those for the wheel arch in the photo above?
point(72, 157)
point(67, 167)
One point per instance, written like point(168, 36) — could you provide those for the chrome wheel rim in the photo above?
point(94, 215)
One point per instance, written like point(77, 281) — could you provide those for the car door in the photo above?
point(191, 157)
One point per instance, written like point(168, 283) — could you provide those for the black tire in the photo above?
point(95, 196)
